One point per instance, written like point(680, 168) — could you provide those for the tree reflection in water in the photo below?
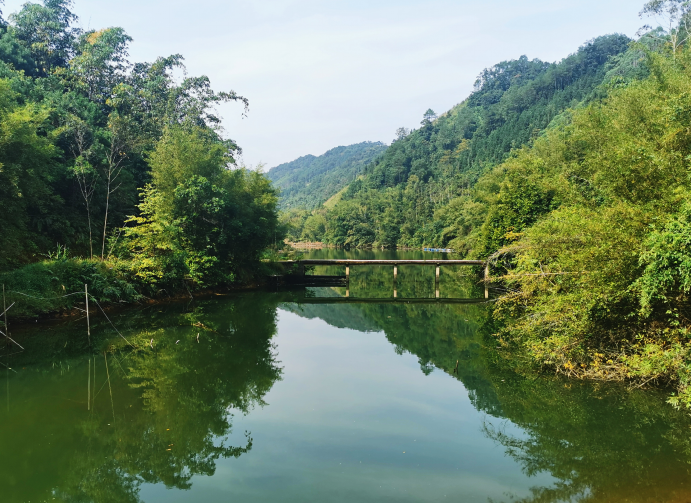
point(172, 405)
point(171, 415)
point(602, 442)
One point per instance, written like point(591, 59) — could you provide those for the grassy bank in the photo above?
point(57, 285)
point(54, 286)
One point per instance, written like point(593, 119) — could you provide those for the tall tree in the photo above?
point(428, 117)
point(83, 171)
point(120, 142)
point(47, 32)
point(401, 133)
point(674, 16)
point(101, 63)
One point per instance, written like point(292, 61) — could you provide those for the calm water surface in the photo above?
point(277, 396)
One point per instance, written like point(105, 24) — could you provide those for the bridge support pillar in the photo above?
point(395, 281)
point(487, 280)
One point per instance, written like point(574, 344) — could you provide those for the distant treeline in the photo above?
point(409, 196)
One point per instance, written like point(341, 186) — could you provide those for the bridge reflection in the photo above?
point(356, 300)
point(308, 297)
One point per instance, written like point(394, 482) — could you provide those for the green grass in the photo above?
point(54, 286)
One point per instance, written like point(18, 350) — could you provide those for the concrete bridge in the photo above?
point(302, 278)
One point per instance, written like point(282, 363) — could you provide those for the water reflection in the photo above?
point(173, 397)
point(197, 371)
point(601, 442)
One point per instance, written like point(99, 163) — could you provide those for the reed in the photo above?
point(109, 388)
point(88, 324)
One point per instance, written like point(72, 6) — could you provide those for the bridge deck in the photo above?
point(301, 278)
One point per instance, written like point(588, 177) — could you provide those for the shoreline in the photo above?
point(67, 314)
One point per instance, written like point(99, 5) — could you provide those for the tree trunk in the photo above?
point(105, 220)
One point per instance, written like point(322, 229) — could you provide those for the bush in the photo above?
point(598, 284)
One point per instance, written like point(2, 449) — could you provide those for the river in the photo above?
point(275, 396)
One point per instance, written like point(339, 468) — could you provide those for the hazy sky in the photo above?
point(320, 74)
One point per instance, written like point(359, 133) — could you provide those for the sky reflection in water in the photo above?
point(353, 421)
point(328, 402)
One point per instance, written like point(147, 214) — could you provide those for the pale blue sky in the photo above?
point(320, 74)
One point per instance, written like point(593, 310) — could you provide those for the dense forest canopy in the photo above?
point(402, 197)
point(86, 134)
point(308, 182)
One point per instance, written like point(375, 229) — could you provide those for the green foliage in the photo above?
point(313, 228)
point(46, 30)
point(405, 192)
point(666, 257)
point(57, 285)
point(599, 280)
point(14, 54)
point(84, 131)
point(27, 170)
point(100, 62)
point(519, 204)
point(183, 153)
point(309, 181)
point(198, 220)
point(79, 123)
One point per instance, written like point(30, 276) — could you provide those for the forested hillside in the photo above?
point(309, 181)
point(102, 158)
point(403, 195)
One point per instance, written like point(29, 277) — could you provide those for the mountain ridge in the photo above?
point(408, 195)
point(309, 181)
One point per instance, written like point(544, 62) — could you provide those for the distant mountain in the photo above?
point(309, 181)
point(416, 193)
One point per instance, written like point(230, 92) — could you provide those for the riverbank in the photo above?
point(306, 245)
point(57, 288)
